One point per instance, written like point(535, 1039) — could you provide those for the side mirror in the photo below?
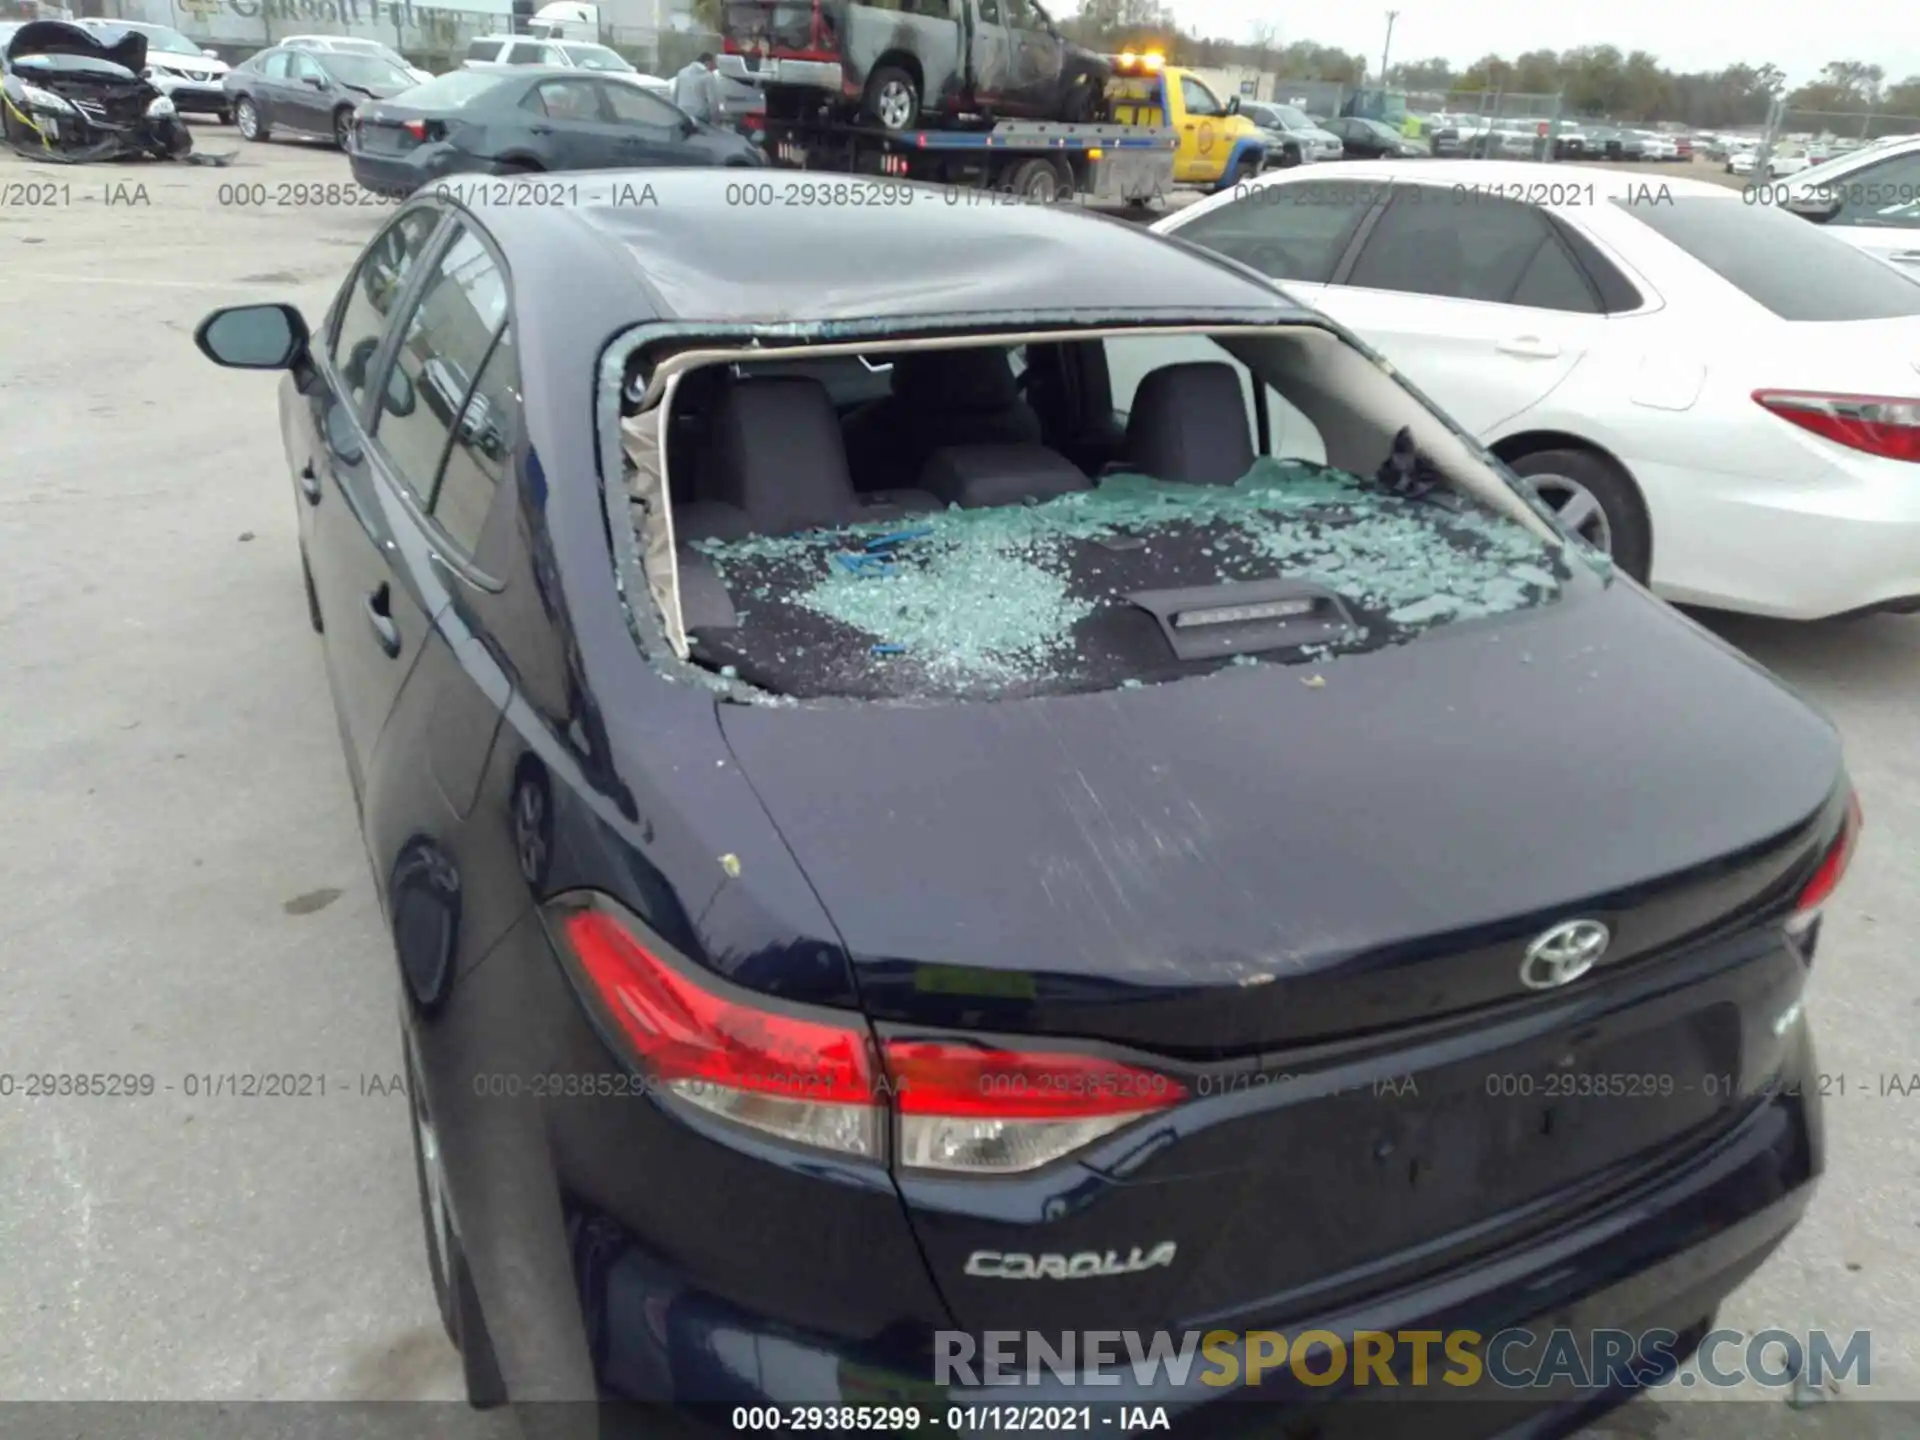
point(211, 54)
point(318, 82)
point(254, 337)
point(1233, 104)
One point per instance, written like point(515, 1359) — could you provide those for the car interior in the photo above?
point(904, 445)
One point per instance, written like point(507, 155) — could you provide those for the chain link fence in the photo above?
point(1796, 139)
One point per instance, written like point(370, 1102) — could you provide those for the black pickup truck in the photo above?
point(915, 64)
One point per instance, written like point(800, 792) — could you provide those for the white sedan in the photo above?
point(1721, 394)
point(1869, 197)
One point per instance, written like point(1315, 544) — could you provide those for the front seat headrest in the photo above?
point(1189, 424)
point(774, 450)
point(976, 379)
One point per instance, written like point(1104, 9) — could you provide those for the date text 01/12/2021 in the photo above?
point(980, 1419)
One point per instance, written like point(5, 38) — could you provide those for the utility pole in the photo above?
point(1386, 47)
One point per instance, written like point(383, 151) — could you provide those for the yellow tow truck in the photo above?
point(1215, 145)
point(1162, 128)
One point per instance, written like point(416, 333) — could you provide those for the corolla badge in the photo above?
point(1565, 953)
point(993, 1265)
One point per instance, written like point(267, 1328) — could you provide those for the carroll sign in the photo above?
point(339, 12)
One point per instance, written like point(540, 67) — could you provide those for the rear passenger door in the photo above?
point(440, 467)
point(647, 130)
point(573, 129)
point(1475, 299)
point(371, 622)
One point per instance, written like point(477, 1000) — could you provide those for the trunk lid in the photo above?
point(1310, 904)
point(1246, 862)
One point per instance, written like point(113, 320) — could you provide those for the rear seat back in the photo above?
point(1189, 424)
point(975, 476)
point(774, 451)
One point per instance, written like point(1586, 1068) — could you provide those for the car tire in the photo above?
point(246, 115)
point(1289, 157)
point(342, 126)
point(1038, 181)
point(517, 167)
point(892, 99)
point(453, 1287)
point(1597, 499)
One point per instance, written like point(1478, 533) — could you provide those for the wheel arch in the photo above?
point(1511, 448)
point(899, 59)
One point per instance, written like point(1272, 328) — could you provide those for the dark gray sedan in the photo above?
point(525, 120)
point(310, 92)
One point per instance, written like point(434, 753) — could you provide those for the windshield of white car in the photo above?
point(596, 57)
point(364, 71)
point(1290, 118)
point(1780, 261)
point(164, 41)
point(351, 46)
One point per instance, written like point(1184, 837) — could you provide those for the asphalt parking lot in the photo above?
point(186, 895)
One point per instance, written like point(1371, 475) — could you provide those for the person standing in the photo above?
point(696, 90)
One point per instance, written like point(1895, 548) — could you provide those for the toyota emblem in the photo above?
point(1565, 953)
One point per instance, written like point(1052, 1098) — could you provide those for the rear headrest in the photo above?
point(1189, 424)
point(974, 476)
point(774, 450)
point(971, 380)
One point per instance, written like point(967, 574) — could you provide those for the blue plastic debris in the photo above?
point(898, 537)
point(871, 565)
point(889, 649)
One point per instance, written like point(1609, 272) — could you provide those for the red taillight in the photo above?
point(1880, 425)
point(417, 129)
point(1806, 909)
point(975, 1109)
point(804, 1080)
point(957, 1107)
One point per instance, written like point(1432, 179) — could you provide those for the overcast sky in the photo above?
point(1684, 36)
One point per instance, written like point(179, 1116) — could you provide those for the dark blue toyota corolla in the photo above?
point(937, 770)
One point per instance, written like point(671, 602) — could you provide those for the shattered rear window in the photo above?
point(1034, 599)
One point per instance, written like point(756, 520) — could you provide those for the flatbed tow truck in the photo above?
point(1150, 142)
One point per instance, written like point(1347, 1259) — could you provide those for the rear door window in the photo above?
point(365, 308)
point(1780, 261)
point(1436, 241)
point(483, 445)
point(448, 336)
point(1293, 231)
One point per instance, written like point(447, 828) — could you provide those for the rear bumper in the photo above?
point(804, 74)
point(1660, 1257)
point(401, 174)
point(1842, 538)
